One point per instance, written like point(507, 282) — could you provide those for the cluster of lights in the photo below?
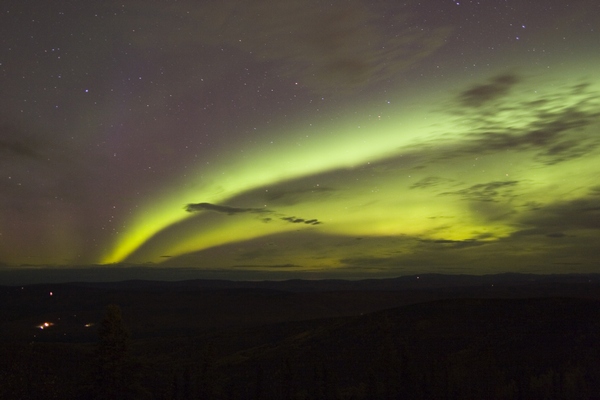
point(45, 325)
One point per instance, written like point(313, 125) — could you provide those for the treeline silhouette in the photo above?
point(545, 348)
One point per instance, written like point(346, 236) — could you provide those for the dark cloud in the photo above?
point(487, 192)
point(568, 263)
point(566, 220)
point(253, 253)
point(293, 194)
point(341, 46)
point(555, 132)
point(595, 191)
point(454, 244)
point(428, 182)
point(441, 217)
point(529, 232)
point(553, 128)
point(295, 220)
point(326, 46)
point(312, 222)
point(369, 262)
point(17, 142)
point(268, 267)
point(482, 94)
point(583, 213)
point(548, 135)
point(421, 263)
point(197, 207)
point(532, 205)
point(223, 209)
point(41, 179)
point(18, 149)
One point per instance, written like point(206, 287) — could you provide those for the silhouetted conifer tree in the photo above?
point(259, 388)
point(287, 380)
point(117, 375)
point(372, 391)
point(323, 387)
point(207, 379)
point(175, 387)
point(187, 384)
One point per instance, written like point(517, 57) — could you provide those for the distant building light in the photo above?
point(45, 325)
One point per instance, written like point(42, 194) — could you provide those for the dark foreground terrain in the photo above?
point(426, 337)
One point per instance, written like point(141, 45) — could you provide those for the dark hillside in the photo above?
point(468, 348)
point(193, 307)
point(477, 337)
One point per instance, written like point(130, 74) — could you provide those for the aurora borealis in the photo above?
point(301, 138)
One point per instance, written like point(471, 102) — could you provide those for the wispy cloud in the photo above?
point(15, 142)
point(453, 244)
point(295, 220)
point(482, 94)
point(555, 132)
point(196, 207)
point(345, 45)
point(489, 192)
point(429, 182)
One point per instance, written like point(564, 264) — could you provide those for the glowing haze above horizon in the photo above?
point(300, 138)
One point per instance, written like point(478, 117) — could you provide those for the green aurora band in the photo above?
point(472, 166)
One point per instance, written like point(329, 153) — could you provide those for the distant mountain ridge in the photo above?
point(421, 281)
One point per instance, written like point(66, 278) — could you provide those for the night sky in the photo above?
point(309, 138)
